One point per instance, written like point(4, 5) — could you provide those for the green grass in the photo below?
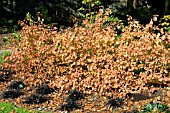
point(155, 108)
point(4, 54)
point(8, 107)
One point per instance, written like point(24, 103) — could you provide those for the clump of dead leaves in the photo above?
point(91, 59)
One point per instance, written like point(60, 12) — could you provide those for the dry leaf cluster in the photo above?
point(92, 60)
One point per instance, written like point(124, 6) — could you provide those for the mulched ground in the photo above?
point(44, 97)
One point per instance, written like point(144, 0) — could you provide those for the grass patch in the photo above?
point(6, 107)
point(4, 54)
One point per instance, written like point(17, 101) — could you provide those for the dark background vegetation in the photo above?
point(67, 12)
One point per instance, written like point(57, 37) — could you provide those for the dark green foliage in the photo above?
point(16, 85)
point(118, 37)
point(70, 106)
point(72, 101)
point(168, 69)
point(168, 46)
point(138, 71)
point(75, 95)
point(12, 94)
point(114, 103)
point(35, 99)
point(8, 24)
point(154, 107)
point(44, 89)
point(68, 12)
point(117, 7)
point(60, 11)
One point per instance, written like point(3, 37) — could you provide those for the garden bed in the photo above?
point(88, 69)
